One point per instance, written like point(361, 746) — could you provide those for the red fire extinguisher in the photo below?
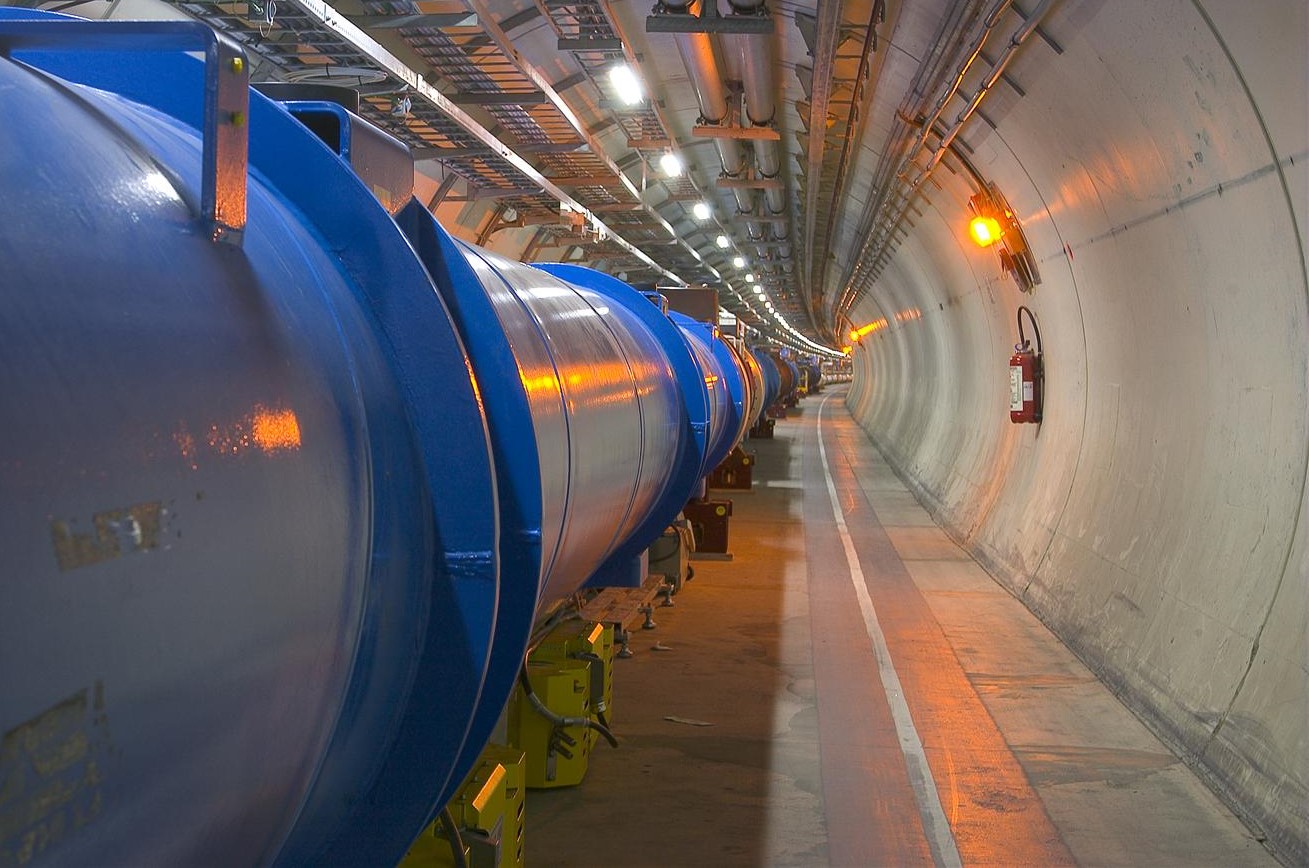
point(1026, 372)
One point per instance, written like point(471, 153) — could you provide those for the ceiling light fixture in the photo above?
point(626, 84)
point(723, 242)
point(670, 164)
point(749, 278)
point(738, 262)
point(701, 210)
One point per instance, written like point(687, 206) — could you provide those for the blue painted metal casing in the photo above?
point(686, 470)
point(700, 339)
point(591, 441)
point(252, 599)
point(278, 517)
point(755, 377)
point(772, 379)
point(382, 162)
point(795, 375)
point(734, 379)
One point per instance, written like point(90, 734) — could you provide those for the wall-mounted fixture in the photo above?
point(857, 333)
point(994, 223)
point(1026, 374)
point(985, 230)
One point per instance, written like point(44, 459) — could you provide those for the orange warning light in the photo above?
point(985, 230)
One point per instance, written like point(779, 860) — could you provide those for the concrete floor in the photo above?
point(760, 724)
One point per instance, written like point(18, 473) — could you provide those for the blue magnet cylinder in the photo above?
point(772, 379)
point(281, 508)
point(229, 569)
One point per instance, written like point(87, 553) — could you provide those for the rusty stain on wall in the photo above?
point(51, 776)
point(114, 532)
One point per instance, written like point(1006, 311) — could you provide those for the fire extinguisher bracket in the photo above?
point(1026, 374)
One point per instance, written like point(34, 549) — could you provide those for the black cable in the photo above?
point(558, 720)
point(452, 835)
point(1022, 339)
point(604, 731)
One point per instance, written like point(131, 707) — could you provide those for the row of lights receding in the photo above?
point(629, 91)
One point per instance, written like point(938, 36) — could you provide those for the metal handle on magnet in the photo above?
point(226, 98)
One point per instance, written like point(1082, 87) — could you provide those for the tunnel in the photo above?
point(450, 374)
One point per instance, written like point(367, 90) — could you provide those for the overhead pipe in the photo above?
point(760, 98)
point(760, 88)
point(697, 50)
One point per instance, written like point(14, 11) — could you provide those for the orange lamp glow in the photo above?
point(985, 230)
point(876, 325)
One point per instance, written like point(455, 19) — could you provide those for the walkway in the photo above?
point(853, 690)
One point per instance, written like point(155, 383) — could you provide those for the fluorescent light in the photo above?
point(625, 84)
point(670, 164)
point(759, 291)
point(738, 262)
point(722, 242)
point(749, 278)
point(701, 210)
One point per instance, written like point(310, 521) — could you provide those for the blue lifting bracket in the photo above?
point(226, 97)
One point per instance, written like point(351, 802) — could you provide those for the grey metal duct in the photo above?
point(760, 88)
point(697, 50)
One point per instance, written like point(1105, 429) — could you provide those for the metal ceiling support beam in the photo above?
point(341, 26)
point(649, 144)
point(708, 22)
point(538, 240)
point(442, 190)
point(503, 98)
point(604, 180)
point(735, 131)
point(438, 20)
point(482, 194)
point(421, 154)
point(570, 81)
point(518, 19)
point(590, 44)
point(552, 148)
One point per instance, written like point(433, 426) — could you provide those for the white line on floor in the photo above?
point(939, 836)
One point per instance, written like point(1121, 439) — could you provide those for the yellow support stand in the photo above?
point(556, 757)
point(488, 811)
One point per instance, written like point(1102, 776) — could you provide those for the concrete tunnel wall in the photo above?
point(1156, 520)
